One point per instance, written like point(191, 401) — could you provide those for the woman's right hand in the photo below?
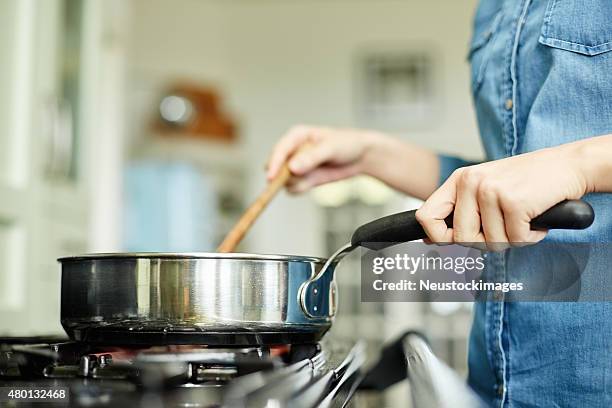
point(331, 154)
point(328, 155)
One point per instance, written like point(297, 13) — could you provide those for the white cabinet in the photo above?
point(16, 55)
point(51, 81)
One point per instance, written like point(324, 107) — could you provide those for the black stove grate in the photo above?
point(171, 375)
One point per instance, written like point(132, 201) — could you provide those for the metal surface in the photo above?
point(318, 295)
point(432, 383)
point(192, 255)
point(191, 293)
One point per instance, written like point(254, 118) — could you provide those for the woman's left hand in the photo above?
point(494, 202)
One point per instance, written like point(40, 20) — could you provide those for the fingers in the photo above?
point(309, 159)
point(433, 212)
point(285, 148)
point(322, 175)
point(466, 220)
point(492, 217)
point(478, 215)
point(518, 226)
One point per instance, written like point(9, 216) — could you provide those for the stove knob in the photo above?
point(86, 364)
point(105, 359)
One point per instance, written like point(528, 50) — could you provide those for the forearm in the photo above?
point(401, 165)
point(593, 157)
point(416, 171)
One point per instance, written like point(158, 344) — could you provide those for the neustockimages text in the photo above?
point(427, 285)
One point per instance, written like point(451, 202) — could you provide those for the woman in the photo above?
point(542, 86)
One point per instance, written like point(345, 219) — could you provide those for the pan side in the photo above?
point(187, 295)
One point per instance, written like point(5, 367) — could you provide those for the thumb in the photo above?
point(434, 211)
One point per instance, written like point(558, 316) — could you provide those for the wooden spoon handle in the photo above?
point(233, 238)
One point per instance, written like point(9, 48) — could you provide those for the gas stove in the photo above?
point(324, 374)
point(300, 375)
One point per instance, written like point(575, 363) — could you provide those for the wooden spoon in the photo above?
point(233, 238)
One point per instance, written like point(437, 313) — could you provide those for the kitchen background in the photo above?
point(144, 125)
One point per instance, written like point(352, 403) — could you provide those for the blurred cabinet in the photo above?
point(221, 164)
point(46, 94)
point(14, 196)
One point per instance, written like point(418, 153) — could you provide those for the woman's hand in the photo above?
point(494, 202)
point(332, 154)
point(335, 154)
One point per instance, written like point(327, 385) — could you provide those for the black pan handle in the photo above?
point(403, 227)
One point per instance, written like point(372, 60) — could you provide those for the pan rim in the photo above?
point(192, 255)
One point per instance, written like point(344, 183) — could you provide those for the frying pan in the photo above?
point(228, 299)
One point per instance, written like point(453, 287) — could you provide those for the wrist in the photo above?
point(593, 162)
point(375, 150)
point(400, 164)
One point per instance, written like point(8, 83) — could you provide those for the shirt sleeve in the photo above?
point(448, 164)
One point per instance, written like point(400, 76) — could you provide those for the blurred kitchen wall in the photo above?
point(280, 63)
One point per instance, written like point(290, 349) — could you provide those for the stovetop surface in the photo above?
point(183, 375)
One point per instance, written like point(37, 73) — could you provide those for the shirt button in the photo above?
point(498, 295)
point(500, 390)
point(509, 104)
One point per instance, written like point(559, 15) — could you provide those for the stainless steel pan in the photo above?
point(184, 298)
point(227, 299)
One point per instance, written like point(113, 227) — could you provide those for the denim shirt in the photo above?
point(542, 76)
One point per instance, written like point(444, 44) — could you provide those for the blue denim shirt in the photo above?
point(542, 76)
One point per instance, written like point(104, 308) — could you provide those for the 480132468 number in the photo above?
point(33, 394)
